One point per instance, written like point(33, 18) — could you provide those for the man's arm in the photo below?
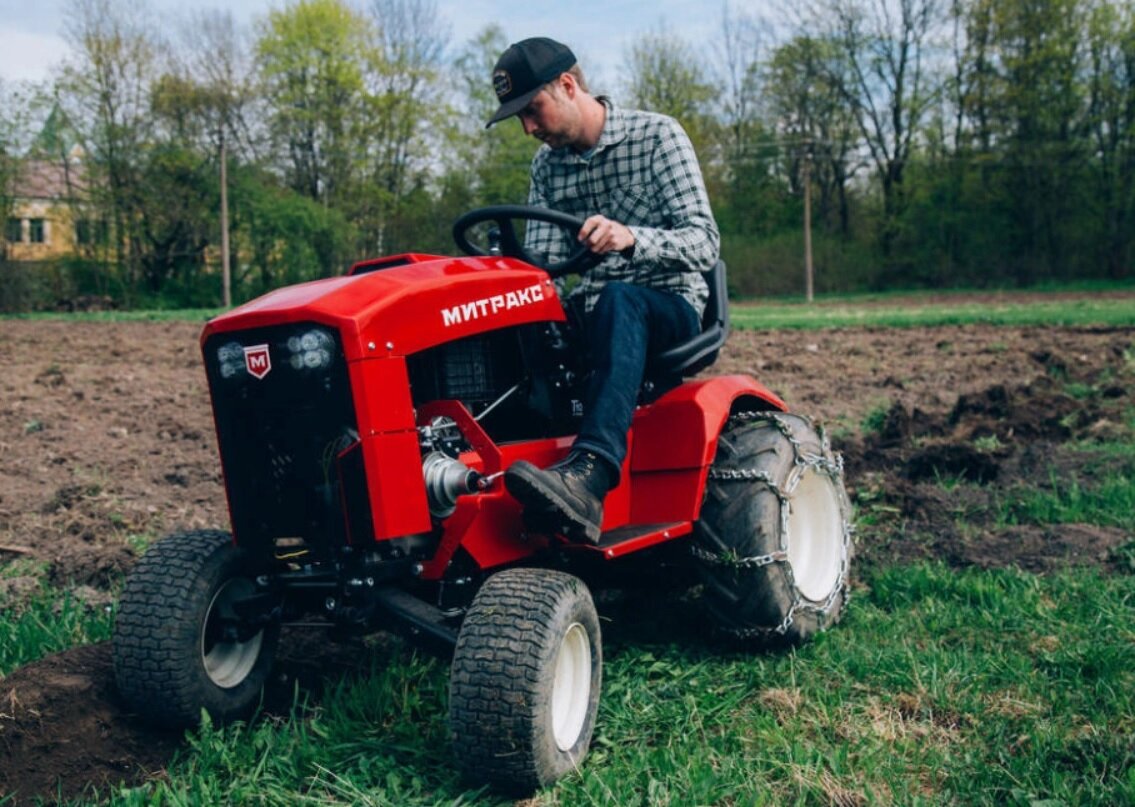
point(542, 239)
point(691, 240)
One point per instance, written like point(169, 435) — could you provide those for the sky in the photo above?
point(599, 31)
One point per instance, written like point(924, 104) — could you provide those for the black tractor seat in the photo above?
point(694, 355)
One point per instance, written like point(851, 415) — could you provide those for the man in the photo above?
point(633, 177)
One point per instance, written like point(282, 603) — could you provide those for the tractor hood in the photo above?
point(399, 305)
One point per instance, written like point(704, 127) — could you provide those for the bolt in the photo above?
point(370, 345)
point(330, 604)
point(417, 569)
point(390, 346)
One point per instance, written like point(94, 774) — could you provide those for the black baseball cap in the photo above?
point(524, 69)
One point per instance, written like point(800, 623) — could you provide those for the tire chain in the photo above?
point(832, 467)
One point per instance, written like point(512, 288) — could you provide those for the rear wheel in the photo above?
point(524, 689)
point(773, 545)
point(179, 644)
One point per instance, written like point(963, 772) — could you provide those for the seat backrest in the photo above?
point(700, 352)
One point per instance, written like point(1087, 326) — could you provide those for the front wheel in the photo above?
point(524, 688)
point(773, 544)
point(179, 643)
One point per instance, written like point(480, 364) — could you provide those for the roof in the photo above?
point(41, 179)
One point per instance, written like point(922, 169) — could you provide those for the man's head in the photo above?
point(525, 69)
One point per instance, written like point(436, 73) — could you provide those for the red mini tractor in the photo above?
point(364, 423)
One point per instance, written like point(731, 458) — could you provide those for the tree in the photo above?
point(1111, 128)
point(15, 107)
point(814, 122)
point(312, 57)
point(883, 75)
point(105, 91)
point(403, 107)
point(744, 173)
point(488, 166)
point(664, 75)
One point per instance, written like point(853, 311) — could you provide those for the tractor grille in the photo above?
point(474, 370)
point(285, 421)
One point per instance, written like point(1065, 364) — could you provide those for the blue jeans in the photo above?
point(628, 325)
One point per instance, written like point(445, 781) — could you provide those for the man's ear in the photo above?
point(568, 85)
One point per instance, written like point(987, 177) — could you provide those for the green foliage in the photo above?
point(664, 75)
point(47, 622)
point(1005, 161)
point(312, 57)
point(1106, 502)
point(975, 687)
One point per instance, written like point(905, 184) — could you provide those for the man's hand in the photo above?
point(603, 235)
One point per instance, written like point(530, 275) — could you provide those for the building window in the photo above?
point(90, 231)
point(37, 231)
point(14, 231)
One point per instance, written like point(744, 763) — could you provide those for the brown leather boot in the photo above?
point(566, 497)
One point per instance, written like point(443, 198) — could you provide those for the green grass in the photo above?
point(1109, 502)
point(900, 309)
point(152, 315)
point(921, 311)
point(48, 622)
point(940, 687)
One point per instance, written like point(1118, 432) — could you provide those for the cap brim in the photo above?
point(510, 108)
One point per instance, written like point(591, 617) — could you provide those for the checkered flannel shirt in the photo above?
point(643, 173)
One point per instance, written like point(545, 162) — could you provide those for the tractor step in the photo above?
point(623, 541)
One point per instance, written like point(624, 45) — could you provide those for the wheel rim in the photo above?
point(815, 535)
point(571, 691)
point(228, 662)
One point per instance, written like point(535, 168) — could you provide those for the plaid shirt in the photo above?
point(643, 173)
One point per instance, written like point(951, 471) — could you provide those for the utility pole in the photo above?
point(807, 179)
point(226, 268)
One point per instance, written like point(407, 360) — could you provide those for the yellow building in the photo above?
point(45, 221)
point(46, 217)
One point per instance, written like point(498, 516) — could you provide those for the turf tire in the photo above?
point(524, 688)
point(773, 543)
point(169, 661)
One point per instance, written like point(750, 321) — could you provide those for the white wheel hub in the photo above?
point(815, 534)
point(228, 662)
point(571, 689)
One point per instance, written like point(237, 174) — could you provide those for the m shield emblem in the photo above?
point(257, 361)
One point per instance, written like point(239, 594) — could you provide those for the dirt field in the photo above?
point(106, 435)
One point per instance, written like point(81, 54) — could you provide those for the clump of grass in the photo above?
point(46, 622)
point(1109, 502)
point(874, 421)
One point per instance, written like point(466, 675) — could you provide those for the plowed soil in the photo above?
point(106, 437)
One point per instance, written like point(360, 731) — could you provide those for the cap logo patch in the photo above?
point(502, 83)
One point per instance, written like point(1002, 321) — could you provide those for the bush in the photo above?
point(69, 284)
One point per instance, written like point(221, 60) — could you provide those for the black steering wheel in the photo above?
point(579, 261)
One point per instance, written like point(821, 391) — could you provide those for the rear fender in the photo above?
point(675, 439)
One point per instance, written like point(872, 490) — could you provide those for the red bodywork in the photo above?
point(387, 309)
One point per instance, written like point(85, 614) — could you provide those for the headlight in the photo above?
point(311, 350)
point(230, 358)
